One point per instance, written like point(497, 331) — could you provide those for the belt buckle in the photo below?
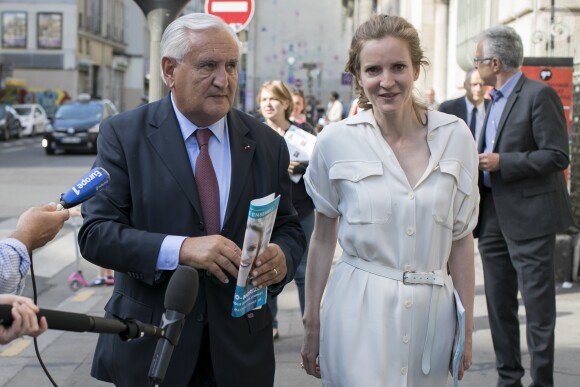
point(405, 276)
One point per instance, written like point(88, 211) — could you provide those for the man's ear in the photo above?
point(495, 64)
point(168, 66)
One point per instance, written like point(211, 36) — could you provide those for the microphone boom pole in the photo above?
point(76, 322)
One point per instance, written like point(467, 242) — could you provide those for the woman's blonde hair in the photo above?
point(281, 92)
point(379, 27)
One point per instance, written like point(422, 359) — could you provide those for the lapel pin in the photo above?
point(246, 147)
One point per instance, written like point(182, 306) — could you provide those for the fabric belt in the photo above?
point(435, 277)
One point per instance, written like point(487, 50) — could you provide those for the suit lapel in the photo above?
point(463, 110)
point(508, 107)
point(242, 152)
point(481, 140)
point(165, 136)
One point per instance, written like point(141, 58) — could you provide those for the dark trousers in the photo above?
point(300, 277)
point(526, 265)
point(203, 375)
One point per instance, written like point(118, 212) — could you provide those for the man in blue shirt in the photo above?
point(523, 153)
point(36, 227)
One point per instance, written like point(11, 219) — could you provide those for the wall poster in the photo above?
point(14, 28)
point(49, 27)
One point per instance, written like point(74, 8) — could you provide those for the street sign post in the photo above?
point(236, 13)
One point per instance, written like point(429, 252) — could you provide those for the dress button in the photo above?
point(408, 304)
point(431, 136)
point(411, 195)
point(410, 231)
point(407, 268)
point(355, 177)
point(405, 339)
point(200, 317)
point(403, 370)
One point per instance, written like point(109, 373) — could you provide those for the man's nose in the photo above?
point(220, 77)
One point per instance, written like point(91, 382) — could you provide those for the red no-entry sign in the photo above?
point(237, 13)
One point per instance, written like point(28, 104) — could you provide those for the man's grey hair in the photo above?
point(175, 42)
point(504, 43)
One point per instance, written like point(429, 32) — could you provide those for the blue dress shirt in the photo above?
point(498, 102)
point(219, 151)
point(14, 265)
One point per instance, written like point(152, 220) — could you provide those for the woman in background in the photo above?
point(298, 115)
point(276, 104)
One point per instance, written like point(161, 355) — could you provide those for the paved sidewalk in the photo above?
point(68, 355)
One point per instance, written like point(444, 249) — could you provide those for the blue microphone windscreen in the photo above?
point(91, 183)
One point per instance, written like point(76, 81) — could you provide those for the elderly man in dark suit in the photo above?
point(157, 214)
point(524, 203)
point(470, 108)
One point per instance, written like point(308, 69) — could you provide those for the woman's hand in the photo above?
point(297, 167)
point(466, 360)
point(310, 348)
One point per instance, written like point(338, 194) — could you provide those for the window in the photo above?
point(49, 27)
point(471, 16)
point(14, 29)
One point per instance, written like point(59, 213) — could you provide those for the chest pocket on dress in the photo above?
point(453, 185)
point(365, 197)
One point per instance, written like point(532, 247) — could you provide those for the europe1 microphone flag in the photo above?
point(84, 189)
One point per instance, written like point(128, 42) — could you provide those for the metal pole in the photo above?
point(159, 14)
point(156, 21)
point(552, 20)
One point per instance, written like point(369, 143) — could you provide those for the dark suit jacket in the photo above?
point(152, 194)
point(529, 190)
point(458, 108)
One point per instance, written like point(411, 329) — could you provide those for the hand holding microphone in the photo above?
point(39, 225)
point(23, 315)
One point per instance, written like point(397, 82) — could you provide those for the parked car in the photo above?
point(10, 126)
point(32, 117)
point(75, 125)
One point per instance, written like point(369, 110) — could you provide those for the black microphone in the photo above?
point(84, 189)
point(179, 299)
point(76, 322)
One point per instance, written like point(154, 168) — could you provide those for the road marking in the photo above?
point(83, 295)
point(15, 348)
point(13, 149)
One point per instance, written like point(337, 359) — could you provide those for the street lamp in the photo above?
point(309, 67)
point(291, 60)
point(159, 14)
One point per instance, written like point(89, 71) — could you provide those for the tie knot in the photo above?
point(202, 136)
point(495, 95)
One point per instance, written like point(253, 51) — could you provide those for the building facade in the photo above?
point(72, 45)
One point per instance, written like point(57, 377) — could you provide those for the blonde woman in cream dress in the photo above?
point(397, 185)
